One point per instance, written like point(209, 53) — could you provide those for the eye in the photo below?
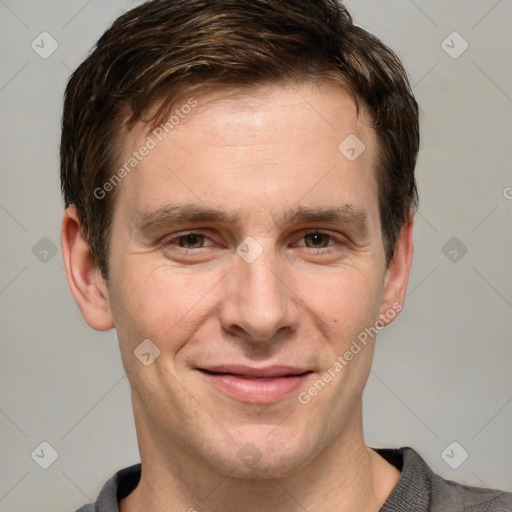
point(189, 241)
point(317, 240)
point(320, 243)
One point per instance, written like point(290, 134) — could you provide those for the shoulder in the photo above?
point(423, 490)
point(115, 489)
point(468, 498)
point(87, 508)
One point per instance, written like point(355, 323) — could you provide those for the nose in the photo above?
point(259, 304)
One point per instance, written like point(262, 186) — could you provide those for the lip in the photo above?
point(256, 385)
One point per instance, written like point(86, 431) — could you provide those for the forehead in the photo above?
point(323, 106)
point(262, 146)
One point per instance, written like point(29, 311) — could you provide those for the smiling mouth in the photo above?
point(256, 385)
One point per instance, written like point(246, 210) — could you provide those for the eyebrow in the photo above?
point(168, 215)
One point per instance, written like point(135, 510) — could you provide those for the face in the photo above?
point(247, 247)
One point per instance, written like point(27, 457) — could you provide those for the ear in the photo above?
point(397, 275)
point(88, 287)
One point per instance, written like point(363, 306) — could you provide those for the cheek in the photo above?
point(160, 302)
point(346, 300)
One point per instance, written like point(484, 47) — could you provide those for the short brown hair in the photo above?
point(163, 49)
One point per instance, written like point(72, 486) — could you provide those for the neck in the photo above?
point(347, 476)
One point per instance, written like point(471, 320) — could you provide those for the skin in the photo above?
point(255, 155)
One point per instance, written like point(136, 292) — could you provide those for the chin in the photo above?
point(261, 453)
point(270, 466)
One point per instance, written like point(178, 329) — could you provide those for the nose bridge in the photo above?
point(261, 281)
point(258, 301)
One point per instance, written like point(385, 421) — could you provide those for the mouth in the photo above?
point(256, 385)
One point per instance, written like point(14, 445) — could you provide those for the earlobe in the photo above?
point(84, 278)
point(397, 275)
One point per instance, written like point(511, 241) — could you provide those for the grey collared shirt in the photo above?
point(418, 490)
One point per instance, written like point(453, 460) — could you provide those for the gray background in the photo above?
point(442, 370)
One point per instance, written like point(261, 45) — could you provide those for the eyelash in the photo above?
point(324, 250)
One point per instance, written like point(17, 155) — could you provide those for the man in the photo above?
point(239, 184)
